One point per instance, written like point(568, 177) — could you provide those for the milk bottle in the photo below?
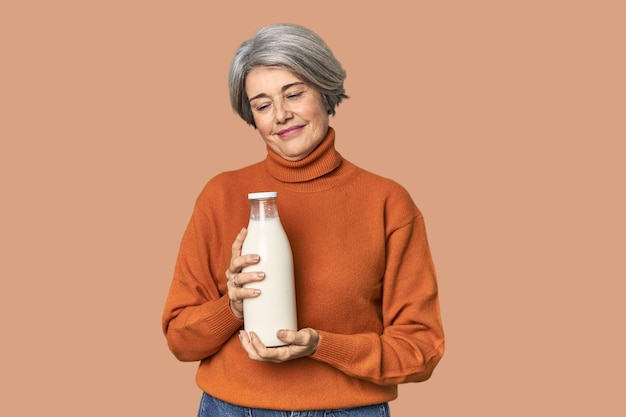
point(275, 307)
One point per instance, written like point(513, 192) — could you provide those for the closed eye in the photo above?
point(262, 107)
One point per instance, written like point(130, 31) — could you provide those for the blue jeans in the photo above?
point(212, 407)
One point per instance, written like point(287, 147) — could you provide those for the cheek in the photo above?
point(319, 113)
point(262, 125)
point(322, 119)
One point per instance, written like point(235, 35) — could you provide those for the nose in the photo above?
point(282, 113)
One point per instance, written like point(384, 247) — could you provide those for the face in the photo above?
point(289, 114)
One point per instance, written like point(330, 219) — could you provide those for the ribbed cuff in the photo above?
point(225, 323)
point(335, 349)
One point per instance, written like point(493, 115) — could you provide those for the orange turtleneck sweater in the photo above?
point(364, 280)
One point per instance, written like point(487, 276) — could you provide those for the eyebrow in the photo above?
point(283, 89)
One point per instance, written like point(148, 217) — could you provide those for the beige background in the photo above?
point(504, 120)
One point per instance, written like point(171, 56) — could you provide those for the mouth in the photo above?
point(289, 131)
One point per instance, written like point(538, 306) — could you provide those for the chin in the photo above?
point(294, 158)
point(296, 154)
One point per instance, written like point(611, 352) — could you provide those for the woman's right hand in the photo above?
point(237, 279)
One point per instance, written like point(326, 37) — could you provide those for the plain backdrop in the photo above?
point(504, 120)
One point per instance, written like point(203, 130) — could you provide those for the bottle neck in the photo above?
point(263, 209)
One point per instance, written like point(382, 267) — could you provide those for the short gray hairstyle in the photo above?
point(292, 47)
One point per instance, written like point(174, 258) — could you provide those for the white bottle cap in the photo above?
point(260, 196)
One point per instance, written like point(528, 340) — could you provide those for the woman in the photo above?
point(366, 290)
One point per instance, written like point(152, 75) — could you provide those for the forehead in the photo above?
point(268, 80)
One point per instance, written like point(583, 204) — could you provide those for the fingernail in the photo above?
point(261, 274)
point(256, 292)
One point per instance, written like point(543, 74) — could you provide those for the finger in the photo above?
point(238, 294)
point(247, 346)
point(257, 344)
point(244, 338)
point(240, 262)
point(274, 354)
point(301, 337)
point(288, 336)
point(261, 353)
point(243, 278)
point(239, 282)
point(307, 340)
point(236, 263)
point(238, 243)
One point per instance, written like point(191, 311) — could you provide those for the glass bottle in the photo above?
point(275, 307)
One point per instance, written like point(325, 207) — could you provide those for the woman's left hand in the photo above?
point(299, 344)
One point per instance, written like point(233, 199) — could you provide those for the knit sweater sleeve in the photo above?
point(412, 340)
point(197, 319)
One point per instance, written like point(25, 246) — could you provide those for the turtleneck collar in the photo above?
point(323, 160)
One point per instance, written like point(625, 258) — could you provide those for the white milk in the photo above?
point(275, 307)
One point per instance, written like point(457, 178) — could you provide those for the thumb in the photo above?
point(287, 336)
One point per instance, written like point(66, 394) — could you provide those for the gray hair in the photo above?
point(291, 47)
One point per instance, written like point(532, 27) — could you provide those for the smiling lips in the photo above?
point(290, 131)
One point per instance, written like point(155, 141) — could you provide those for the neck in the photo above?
point(322, 161)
